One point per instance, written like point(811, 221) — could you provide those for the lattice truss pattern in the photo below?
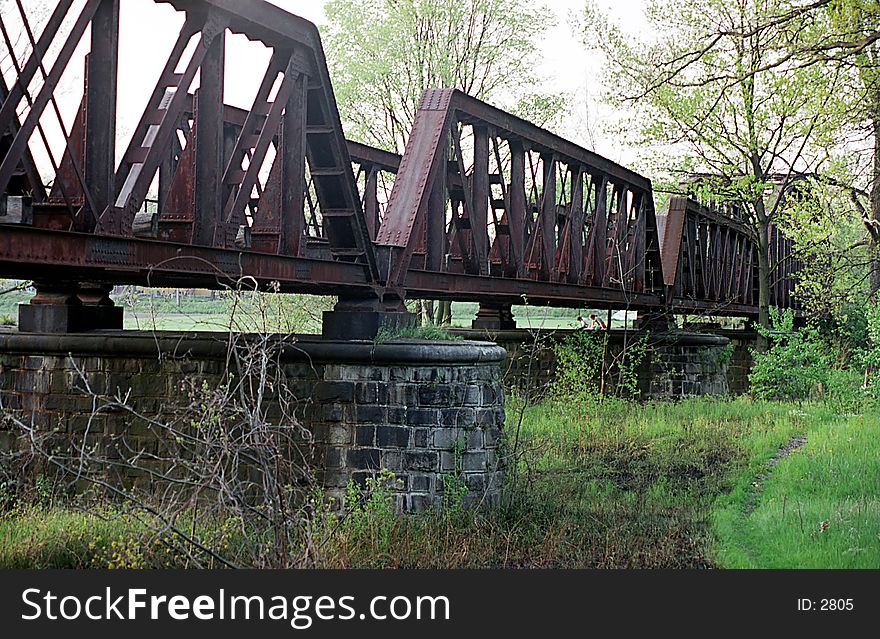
point(482, 205)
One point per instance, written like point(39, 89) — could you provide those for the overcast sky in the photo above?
point(148, 31)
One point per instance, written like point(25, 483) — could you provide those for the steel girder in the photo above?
point(484, 205)
point(710, 261)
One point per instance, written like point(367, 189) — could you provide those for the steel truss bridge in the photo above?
point(482, 205)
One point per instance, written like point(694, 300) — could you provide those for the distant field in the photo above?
point(184, 310)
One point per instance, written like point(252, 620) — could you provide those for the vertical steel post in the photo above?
point(209, 143)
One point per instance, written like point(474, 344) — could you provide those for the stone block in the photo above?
point(392, 437)
point(470, 395)
point(338, 433)
point(392, 460)
point(403, 394)
point(370, 414)
point(333, 413)
point(492, 394)
point(492, 436)
point(447, 462)
point(460, 417)
point(396, 415)
point(420, 437)
point(419, 483)
point(366, 392)
point(363, 373)
point(365, 435)
point(475, 482)
point(435, 395)
point(422, 503)
point(334, 456)
point(422, 416)
point(420, 460)
point(473, 461)
point(363, 458)
point(400, 374)
point(333, 392)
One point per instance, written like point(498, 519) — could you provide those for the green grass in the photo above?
point(37, 537)
point(604, 484)
point(819, 507)
point(633, 485)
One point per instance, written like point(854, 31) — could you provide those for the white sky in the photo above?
point(148, 31)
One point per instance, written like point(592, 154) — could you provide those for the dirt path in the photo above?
point(788, 448)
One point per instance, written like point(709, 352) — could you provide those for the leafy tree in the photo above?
point(716, 93)
point(384, 53)
point(852, 33)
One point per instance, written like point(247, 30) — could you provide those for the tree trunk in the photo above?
point(444, 313)
point(427, 312)
point(875, 204)
point(763, 246)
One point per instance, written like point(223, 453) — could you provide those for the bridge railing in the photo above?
point(710, 261)
point(497, 204)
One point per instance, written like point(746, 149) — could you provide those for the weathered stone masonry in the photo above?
point(426, 411)
point(677, 364)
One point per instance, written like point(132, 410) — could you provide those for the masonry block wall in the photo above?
point(431, 413)
point(676, 364)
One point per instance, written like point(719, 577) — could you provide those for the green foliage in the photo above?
point(370, 512)
point(701, 88)
point(580, 364)
point(587, 367)
point(726, 353)
point(828, 234)
point(383, 53)
point(714, 93)
point(801, 364)
point(427, 331)
point(794, 365)
point(868, 358)
point(628, 363)
point(454, 487)
point(12, 293)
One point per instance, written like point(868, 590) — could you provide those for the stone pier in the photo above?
point(426, 411)
point(676, 364)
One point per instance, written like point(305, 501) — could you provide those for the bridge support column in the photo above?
point(69, 307)
point(654, 322)
point(498, 317)
point(364, 319)
point(426, 411)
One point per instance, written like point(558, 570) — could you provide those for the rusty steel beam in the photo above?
point(709, 261)
point(484, 206)
point(540, 229)
point(40, 254)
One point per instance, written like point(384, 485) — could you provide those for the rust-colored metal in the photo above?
point(484, 206)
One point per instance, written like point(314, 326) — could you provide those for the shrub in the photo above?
point(795, 364)
point(580, 364)
point(586, 367)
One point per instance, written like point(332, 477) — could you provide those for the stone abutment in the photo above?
point(429, 412)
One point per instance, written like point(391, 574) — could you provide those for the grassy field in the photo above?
point(172, 310)
point(693, 484)
point(817, 507)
